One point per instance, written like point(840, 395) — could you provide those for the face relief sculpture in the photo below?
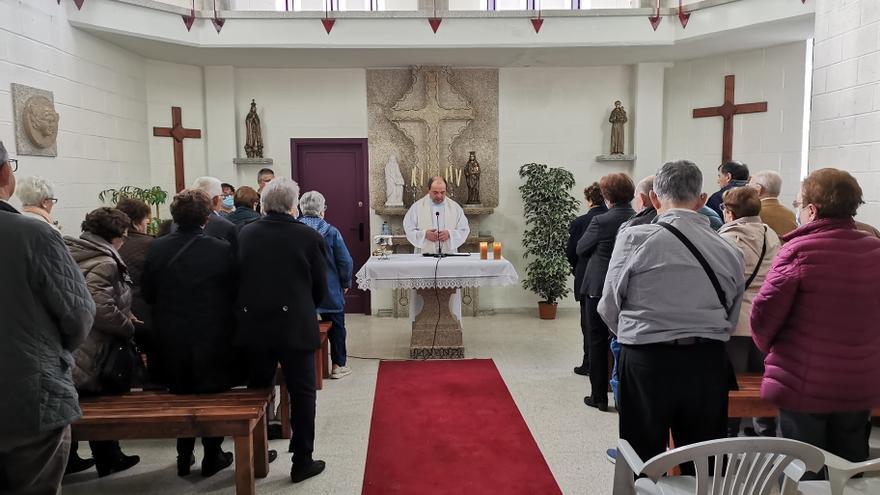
point(40, 121)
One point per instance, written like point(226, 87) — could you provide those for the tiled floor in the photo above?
point(535, 358)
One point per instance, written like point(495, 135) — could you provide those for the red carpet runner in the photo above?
point(450, 427)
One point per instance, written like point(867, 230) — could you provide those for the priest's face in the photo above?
point(437, 191)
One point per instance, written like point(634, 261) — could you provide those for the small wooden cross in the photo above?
point(179, 133)
point(728, 110)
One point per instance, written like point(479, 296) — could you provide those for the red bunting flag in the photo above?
point(435, 23)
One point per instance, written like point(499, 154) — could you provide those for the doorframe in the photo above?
point(297, 143)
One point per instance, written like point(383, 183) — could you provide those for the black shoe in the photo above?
point(582, 370)
point(749, 431)
point(602, 406)
point(213, 464)
point(273, 431)
point(290, 446)
point(302, 473)
point(121, 463)
point(273, 454)
point(183, 464)
point(76, 464)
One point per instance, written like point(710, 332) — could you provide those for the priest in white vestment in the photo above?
point(436, 222)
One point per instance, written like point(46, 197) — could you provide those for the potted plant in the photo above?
point(549, 210)
point(153, 196)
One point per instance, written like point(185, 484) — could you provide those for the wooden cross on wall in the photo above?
point(728, 110)
point(179, 133)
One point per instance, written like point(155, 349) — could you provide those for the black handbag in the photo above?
point(120, 366)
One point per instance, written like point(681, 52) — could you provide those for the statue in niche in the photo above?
point(393, 183)
point(472, 178)
point(617, 119)
point(253, 145)
point(40, 121)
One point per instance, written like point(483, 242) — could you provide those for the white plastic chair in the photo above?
point(839, 483)
point(753, 467)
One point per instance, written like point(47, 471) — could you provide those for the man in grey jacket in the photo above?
point(46, 313)
point(670, 319)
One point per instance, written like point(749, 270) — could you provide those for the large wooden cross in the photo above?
point(179, 133)
point(728, 110)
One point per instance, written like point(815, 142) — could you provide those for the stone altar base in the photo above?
point(436, 334)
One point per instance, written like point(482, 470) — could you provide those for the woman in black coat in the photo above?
point(189, 279)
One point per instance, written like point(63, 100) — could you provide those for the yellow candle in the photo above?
point(484, 250)
point(496, 250)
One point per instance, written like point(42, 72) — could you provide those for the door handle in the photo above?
point(361, 231)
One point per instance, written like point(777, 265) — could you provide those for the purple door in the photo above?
point(337, 168)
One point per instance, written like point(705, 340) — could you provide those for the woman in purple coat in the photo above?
point(816, 317)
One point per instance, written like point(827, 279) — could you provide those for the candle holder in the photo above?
point(484, 250)
point(496, 250)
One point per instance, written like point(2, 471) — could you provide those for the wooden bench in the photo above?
point(747, 403)
point(238, 413)
point(322, 371)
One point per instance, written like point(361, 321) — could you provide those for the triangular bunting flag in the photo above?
point(684, 17)
point(328, 24)
point(537, 23)
point(435, 23)
point(188, 20)
point(655, 21)
point(218, 23)
point(78, 3)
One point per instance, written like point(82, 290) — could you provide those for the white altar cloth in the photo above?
point(414, 271)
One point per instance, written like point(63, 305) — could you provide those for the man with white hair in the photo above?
point(646, 213)
point(47, 313)
point(283, 279)
point(672, 297)
point(217, 225)
point(773, 213)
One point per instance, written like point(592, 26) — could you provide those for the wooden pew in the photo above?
point(238, 413)
point(322, 371)
point(747, 403)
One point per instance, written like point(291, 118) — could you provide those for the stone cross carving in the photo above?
point(178, 132)
point(432, 115)
point(727, 111)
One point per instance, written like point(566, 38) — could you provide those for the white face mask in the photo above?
point(797, 216)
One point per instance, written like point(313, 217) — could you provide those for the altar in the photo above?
point(436, 332)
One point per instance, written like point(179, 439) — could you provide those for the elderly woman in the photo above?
point(816, 317)
point(186, 279)
point(96, 252)
point(276, 314)
point(595, 206)
point(759, 244)
point(133, 253)
point(37, 197)
point(339, 265)
point(246, 199)
point(597, 243)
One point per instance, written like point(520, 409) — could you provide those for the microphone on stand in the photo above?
point(439, 245)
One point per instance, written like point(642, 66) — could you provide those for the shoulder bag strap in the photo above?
point(722, 298)
point(182, 250)
point(760, 261)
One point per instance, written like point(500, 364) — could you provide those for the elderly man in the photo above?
point(264, 176)
point(646, 213)
point(218, 226)
point(47, 312)
point(730, 174)
point(672, 317)
point(283, 279)
point(436, 223)
point(777, 217)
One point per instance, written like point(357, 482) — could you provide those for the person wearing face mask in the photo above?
point(37, 197)
point(96, 252)
point(816, 317)
point(227, 205)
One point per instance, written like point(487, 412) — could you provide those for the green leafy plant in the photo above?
point(549, 210)
point(153, 196)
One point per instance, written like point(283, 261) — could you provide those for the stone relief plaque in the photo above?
point(36, 121)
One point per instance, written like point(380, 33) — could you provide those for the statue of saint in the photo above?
point(617, 119)
point(253, 145)
point(393, 182)
point(472, 177)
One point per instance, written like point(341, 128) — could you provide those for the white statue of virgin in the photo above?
point(393, 183)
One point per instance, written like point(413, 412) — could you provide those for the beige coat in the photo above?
point(747, 234)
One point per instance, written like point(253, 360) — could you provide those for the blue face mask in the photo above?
point(228, 201)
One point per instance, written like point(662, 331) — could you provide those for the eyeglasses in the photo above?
point(13, 163)
point(797, 204)
point(53, 200)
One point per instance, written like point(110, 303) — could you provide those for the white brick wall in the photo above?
point(771, 140)
point(99, 93)
point(845, 121)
